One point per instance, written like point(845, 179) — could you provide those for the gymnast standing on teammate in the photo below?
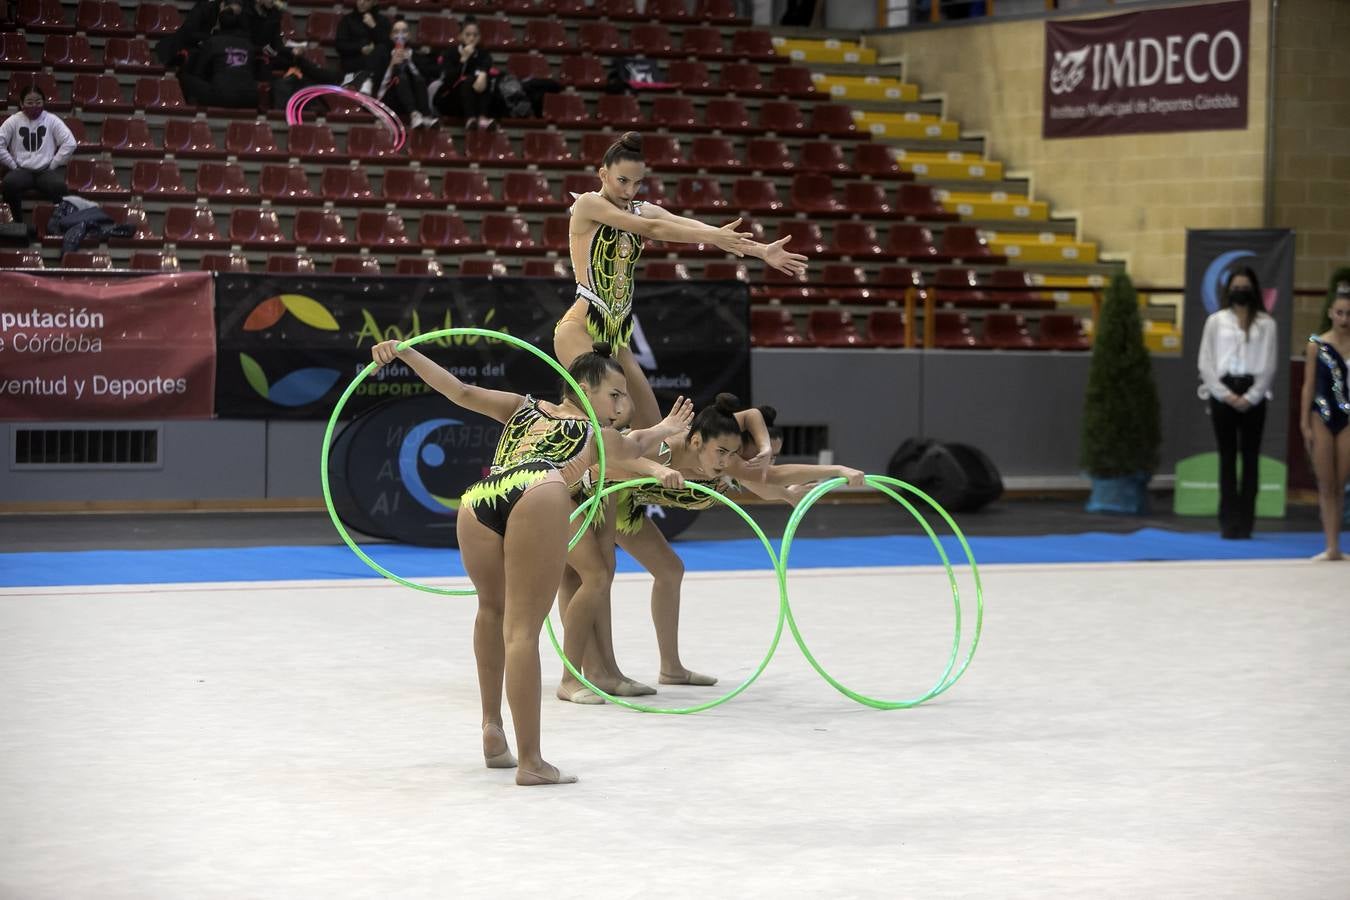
point(607, 230)
point(513, 527)
point(1325, 413)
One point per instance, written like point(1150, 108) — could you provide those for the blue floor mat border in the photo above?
point(95, 567)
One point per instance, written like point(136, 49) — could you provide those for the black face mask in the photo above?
point(1243, 297)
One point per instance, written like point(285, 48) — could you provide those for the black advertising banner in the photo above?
point(288, 346)
point(1178, 68)
point(1211, 256)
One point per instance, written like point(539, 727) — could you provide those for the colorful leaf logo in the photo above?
point(306, 309)
point(296, 388)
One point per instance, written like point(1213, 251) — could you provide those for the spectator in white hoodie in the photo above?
point(34, 148)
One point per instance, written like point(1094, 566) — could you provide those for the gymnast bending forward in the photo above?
point(513, 527)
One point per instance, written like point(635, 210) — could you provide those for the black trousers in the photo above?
point(408, 93)
point(50, 183)
point(461, 101)
point(1238, 434)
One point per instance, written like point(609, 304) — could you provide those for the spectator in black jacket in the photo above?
point(403, 84)
point(224, 70)
point(363, 45)
point(463, 91)
point(174, 50)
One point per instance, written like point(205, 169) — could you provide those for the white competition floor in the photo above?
point(1159, 730)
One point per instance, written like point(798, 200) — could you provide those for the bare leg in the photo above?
point(481, 551)
point(650, 548)
point(646, 412)
point(1330, 487)
point(535, 549)
point(570, 340)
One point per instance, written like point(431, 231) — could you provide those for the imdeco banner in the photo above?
point(1182, 68)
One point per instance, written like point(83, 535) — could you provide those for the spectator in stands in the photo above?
point(289, 71)
point(403, 86)
point(224, 71)
point(175, 50)
point(34, 148)
point(1238, 358)
point(463, 91)
point(363, 45)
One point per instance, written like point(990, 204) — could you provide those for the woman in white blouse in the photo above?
point(1238, 356)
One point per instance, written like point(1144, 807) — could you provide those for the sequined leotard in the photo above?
point(631, 504)
point(609, 267)
point(533, 445)
point(1331, 396)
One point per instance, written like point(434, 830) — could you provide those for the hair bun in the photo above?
point(631, 140)
point(602, 348)
point(727, 403)
point(770, 414)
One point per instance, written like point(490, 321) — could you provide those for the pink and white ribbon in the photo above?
point(381, 112)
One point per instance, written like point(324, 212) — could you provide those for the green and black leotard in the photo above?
point(611, 258)
point(534, 444)
point(631, 505)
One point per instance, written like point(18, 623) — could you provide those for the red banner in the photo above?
point(1176, 69)
point(94, 347)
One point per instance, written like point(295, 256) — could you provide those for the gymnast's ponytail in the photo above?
point(589, 369)
point(717, 420)
point(628, 148)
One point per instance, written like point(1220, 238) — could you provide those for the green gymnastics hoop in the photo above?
point(594, 503)
point(884, 484)
point(412, 342)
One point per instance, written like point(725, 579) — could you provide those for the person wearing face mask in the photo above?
point(224, 70)
point(403, 87)
point(34, 148)
point(463, 90)
point(1238, 359)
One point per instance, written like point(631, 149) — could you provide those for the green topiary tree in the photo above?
point(1340, 275)
point(1121, 428)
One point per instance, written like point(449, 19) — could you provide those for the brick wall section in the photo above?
point(1134, 195)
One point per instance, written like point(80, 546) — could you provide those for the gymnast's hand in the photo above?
point(761, 460)
point(681, 414)
point(385, 352)
point(670, 478)
point(729, 239)
point(854, 476)
point(776, 255)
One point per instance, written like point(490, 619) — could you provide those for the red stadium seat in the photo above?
point(898, 279)
point(782, 117)
point(847, 283)
point(369, 142)
point(583, 72)
point(469, 188)
point(619, 111)
point(556, 230)
point(714, 153)
point(833, 327)
point(599, 37)
point(82, 259)
point(103, 17)
point(1062, 331)
point(565, 109)
point(652, 39)
point(425, 266)
point(857, 239)
point(528, 190)
point(833, 119)
point(773, 327)
point(186, 137)
point(254, 227)
point(432, 145)
point(1007, 331)
point(311, 141)
point(675, 113)
point(286, 183)
point(154, 19)
point(135, 216)
point(154, 261)
point(71, 52)
point(498, 35)
point(952, 331)
point(661, 151)
point(877, 160)
point(320, 228)
point(507, 234)
point(806, 237)
point(482, 268)
point(43, 17)
point(755, 195)
point(664, 270)
point(741, 79)
point(346, 185)
point(669, 10)
point(815, 194)
point(692, 76)
point(1017, 289)
point(382, 228)
point(920, 202)
point(792, 81)
point(701, 194)
point(653, 190)
point(192, 226)
point(408, 186)
point(769, 155)
point(528, 65)
point(356, 265)
point(321, 26)
point(547, 36)
point(490, 147)
point(886, 328)
point(965, 242)
point(98, 93)
point(46, 82)
point(130, 55)
point(825, 157)
point(20, 259)
point(781, 286)
point(545, 268)
point(291, 264)
point(625, 10)
point(911, 242)
point(728, 114)
point(724, 271)
point(445, 231)
point(158, 179)
point(128, 137)
point(234, 261)
point(703, 42)
point(436, 31)
point(83, 144)
point(576, 183)
point(753, 45)
point(866, 198)
point(251, 140)
point(548, 149)
point(94, 178)
point(716, 11)
point(161, 95)
point(960, 287)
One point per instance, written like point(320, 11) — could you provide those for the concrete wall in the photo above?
point(1135, 195)
point(1020, 408)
